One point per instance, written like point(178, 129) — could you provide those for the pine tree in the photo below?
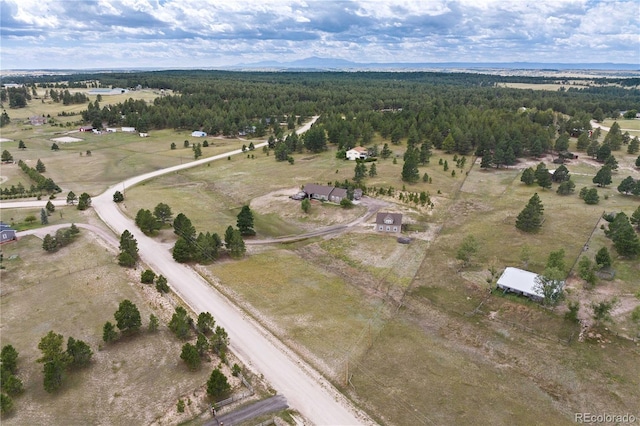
point(44, 217)
point(603, 258)
point(530, 218)
point(634, 146)
point(528, 176)
point(591, 196)
point(245, 221)
point(603, 177)
point(583, 141)
point(625, 240)
point(410, 172)
point(487, 160)
point(373, 172)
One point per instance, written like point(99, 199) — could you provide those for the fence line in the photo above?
point(585, 247)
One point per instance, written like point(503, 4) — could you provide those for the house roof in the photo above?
point(396, 217)
point(519, 280)
point(312, 188)
point(360, 149)
point(339, 192)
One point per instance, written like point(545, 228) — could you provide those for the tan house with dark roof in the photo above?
point(388, 222)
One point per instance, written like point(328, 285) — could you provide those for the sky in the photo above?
point(79, 34)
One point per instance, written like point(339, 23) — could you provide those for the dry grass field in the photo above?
point(74, 292)
point(426, 341)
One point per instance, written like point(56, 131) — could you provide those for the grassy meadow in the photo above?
point(407, 318)
point(74, 292)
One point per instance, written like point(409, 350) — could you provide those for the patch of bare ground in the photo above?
point(603, 291)
point(367, 283)
point(270, 324)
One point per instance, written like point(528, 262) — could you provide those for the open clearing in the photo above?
point(67, 139)
point(74, 292)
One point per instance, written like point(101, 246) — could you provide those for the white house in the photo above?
point(198, 134)
point(111, 130)
point(357, 153)
point(129, 129)
point(521, 282)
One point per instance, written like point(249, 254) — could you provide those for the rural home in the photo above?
point(324, 193)
point(111, 130)
point(357, 153)
point(388, 222)
point(129, 129)
point(6, 233)
point(520, 282)
point(198, 134)
point(86, 128)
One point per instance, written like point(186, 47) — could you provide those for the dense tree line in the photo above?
point(42, 183)
point(427, 106)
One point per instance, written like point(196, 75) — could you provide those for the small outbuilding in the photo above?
point(128, 129)
point(199, 134)
point(389, 222)
point(521, 282)
point(86, 129)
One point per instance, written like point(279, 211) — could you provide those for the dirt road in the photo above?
point(305, 388)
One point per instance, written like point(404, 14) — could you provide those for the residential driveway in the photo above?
point(260, 408)
point(306, 389)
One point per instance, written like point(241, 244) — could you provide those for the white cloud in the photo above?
point(359, 30)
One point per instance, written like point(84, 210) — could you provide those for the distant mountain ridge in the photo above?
point(319, 63)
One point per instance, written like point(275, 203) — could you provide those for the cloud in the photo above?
point(170, 32)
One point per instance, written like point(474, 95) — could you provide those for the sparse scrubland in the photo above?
point(410, 332)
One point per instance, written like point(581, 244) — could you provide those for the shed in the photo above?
point(144, 135)
point(198, 134)
point(86, 128)
point(520, 282)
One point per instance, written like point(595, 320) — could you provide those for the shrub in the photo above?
point(147, 277)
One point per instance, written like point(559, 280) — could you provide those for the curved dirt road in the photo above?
point(305, 388)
